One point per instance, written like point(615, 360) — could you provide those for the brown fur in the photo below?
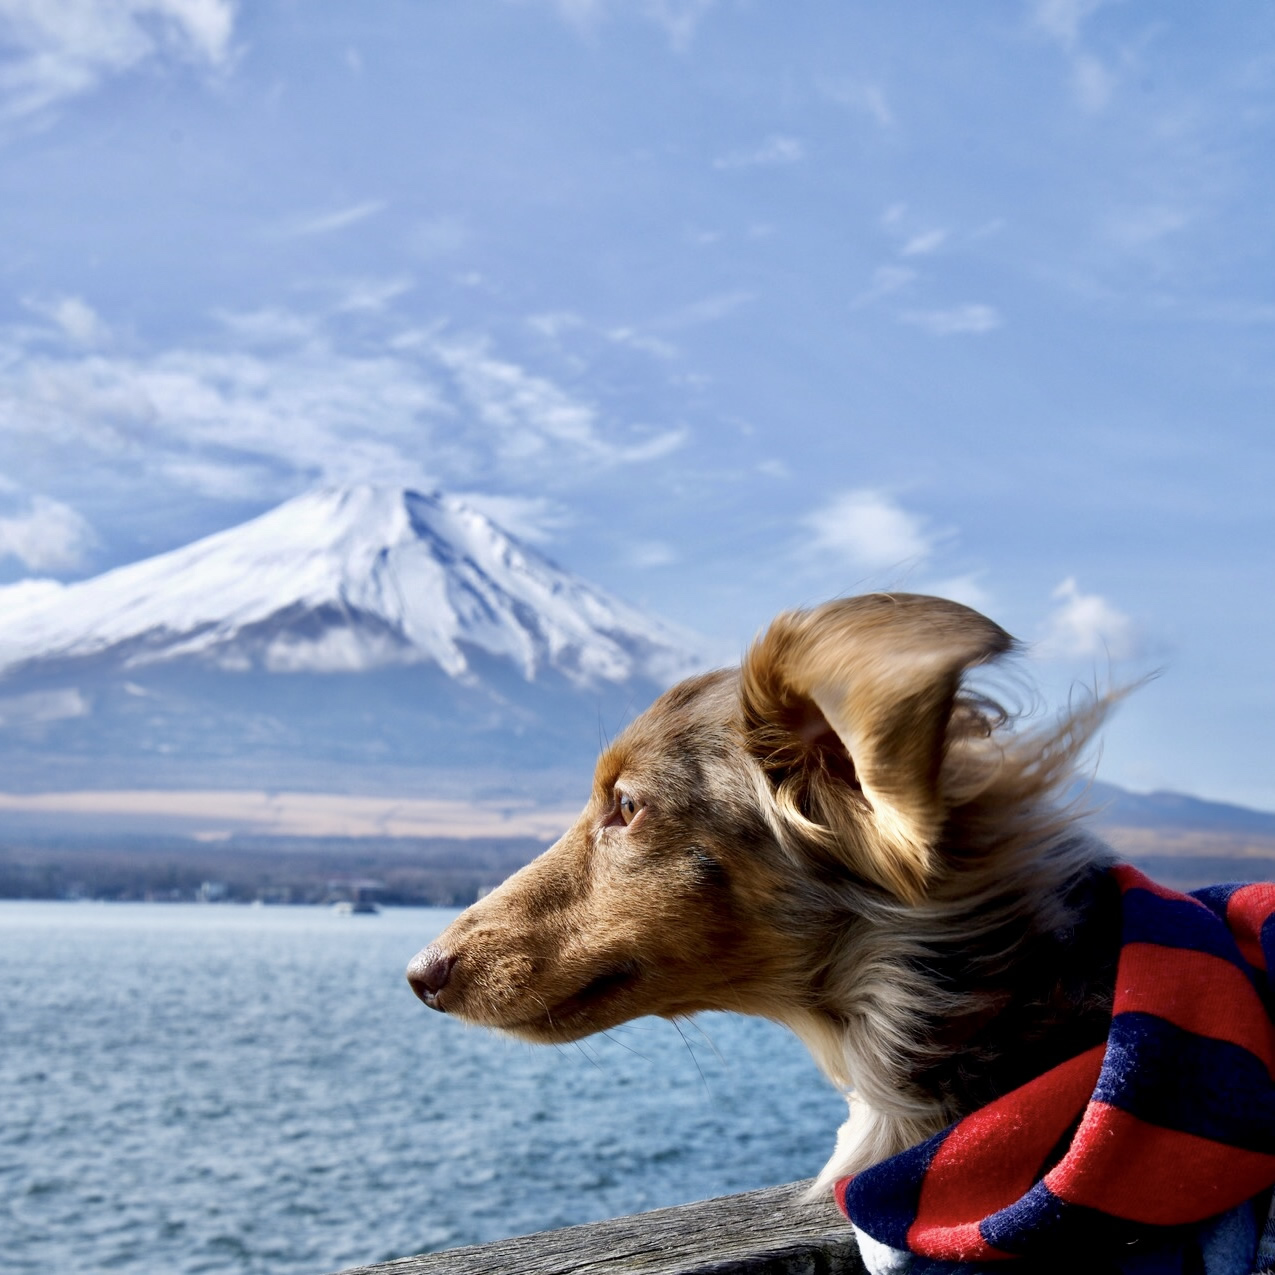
point(840, 837)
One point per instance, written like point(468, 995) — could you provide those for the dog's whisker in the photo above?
point(708, 1040)
point(614, 1038)
point(703, 1078)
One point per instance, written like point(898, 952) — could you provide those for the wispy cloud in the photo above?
point(961, 320)
point(369, 295)
point(46, 535)
point(61, 49)
point(530, 518)
point(775, 152)
point(709, 309)
point(679, 19)
point(73, 317)
point(870, 530)
point(36, 708)
point(864, 96)
point(886, 280)
point(1062, 22)
point(340, 219)
point(1139, 227)
point(924, 242)
point(649, 554)
point(278, 399)
point(1086, 626)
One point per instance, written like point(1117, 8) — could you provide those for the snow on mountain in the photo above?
point(346, 579)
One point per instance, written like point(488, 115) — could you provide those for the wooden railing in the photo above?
point(770, 1232)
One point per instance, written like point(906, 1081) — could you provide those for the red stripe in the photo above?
point(1247, 910)
point(994, 1155)
point(839, 1194)
point(953, 1244)
point(1125, 1167)
point(1197, 992)
point(1129, 878)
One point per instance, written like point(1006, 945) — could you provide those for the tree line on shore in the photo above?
point(447, 872)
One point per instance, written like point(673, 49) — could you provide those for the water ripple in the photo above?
point(221, 1089)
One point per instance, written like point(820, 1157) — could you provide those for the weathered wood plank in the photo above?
point(770, 1232)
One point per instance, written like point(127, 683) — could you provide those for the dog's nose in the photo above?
point(428, 973)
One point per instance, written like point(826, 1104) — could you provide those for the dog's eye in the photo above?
point(628, 807)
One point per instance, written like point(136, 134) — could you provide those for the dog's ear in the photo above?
point(848, 708)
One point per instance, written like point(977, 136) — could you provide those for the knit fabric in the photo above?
point(1132, 1145)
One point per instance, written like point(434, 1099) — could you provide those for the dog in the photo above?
point(845, 837)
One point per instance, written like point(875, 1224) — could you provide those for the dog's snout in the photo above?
point(428, 973)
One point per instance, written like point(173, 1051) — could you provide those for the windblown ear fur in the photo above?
point(848, 708)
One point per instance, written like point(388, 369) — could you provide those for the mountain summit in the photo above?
point(345, 637)
point(345, 580)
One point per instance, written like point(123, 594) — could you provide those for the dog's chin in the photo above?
point(605, 1001)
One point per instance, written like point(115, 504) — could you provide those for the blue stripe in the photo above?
point(1194, 1084)
point(883, 1200)
point(1041, 1226)
point(1148, 918)
point(1216, 897)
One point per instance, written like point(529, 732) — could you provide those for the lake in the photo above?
point(190, 1088)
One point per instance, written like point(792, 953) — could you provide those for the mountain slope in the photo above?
point(348, 580)
point(345, 636)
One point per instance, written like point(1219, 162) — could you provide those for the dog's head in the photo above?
point(835, 753)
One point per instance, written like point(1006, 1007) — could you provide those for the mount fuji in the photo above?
point(349, 626)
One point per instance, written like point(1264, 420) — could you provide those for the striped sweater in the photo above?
point(1133, 1147)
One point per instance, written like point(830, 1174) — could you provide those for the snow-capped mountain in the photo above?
point(367, 629)
point(346, 579)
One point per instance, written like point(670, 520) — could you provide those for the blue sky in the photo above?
point(729, 306)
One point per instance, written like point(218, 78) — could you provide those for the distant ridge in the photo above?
point(1159, 810)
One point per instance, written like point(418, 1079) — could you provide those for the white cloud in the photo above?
point(1086, 625)
point(1092, 82)
point(46, 536)
point(1141, 227)
point(74, 317)
point(859, 95)
point(924, 243)
point(269, 325)
point(528, 411)
point(60, 49)
point(968, 588)
point(372, 294)
point(1061, 20)
point(37, 707)
point(708, 310)
point(648, 554)
point(679, 19)
point(868, 529)
point(280, 398)
point(339, 219)
point(530, 518)
point(437, 237)
point(774, 152)
point(552, 324)
point(635, 340)
point(971, 319)
point(885, 280)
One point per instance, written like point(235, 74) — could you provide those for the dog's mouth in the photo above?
point(577, 1014)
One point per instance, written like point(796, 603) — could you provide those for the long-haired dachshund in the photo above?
point(845, 838)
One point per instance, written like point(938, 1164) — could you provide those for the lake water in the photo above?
point(189, 1089)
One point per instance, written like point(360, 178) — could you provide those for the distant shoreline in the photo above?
point(396, 871)
point(434, 871)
